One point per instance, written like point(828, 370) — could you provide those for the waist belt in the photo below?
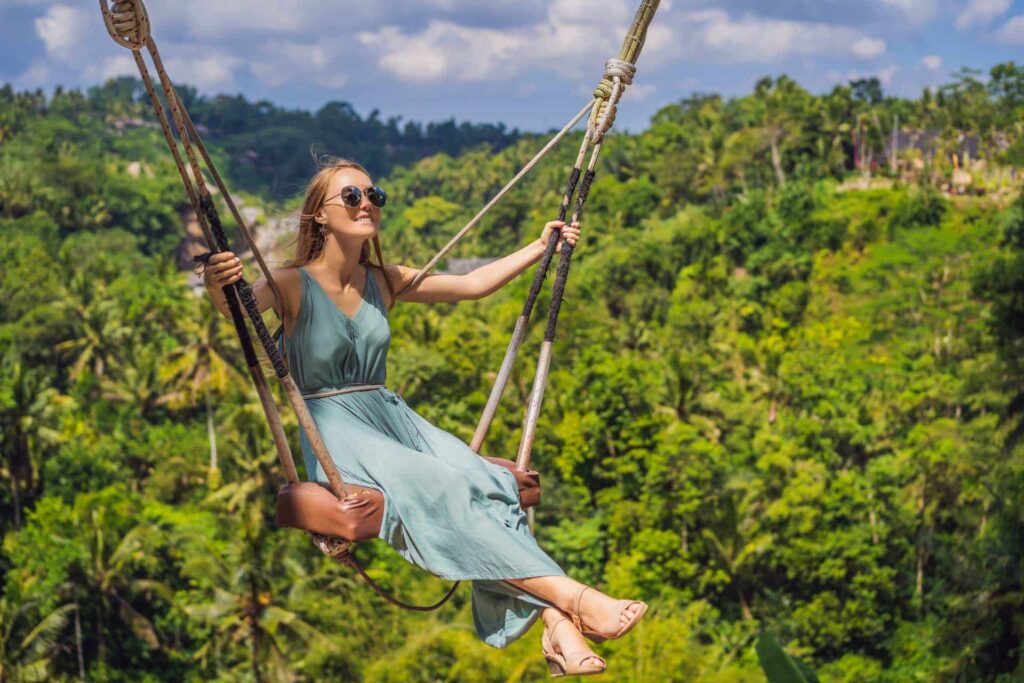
point(344, 390)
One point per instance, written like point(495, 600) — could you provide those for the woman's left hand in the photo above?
point(570, 233)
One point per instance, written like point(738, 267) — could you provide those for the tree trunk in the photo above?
point(254, 630)
point(16, 500)
point(254, 650)
point(21, 471)
point(744, 605)
point(211, 433)
point(780, 175)
point(78, 644)
point(921, 550)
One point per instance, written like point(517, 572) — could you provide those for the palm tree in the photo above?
point(202, 366)
point(739, 541)
point(28, 406)
point(136, 376)
point(833, 113)
point(243, 600)
point(780, 104)
point(26, 650)
point(97, 325)
point(105, 582)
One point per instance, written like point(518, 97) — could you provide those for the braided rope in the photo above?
point(127, 23)
point(339, 550)
point(498, 197)
point(618, 73)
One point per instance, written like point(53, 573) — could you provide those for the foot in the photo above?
point(562, 639)
point(602, 617)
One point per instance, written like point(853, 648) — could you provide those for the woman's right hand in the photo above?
point(222, 269)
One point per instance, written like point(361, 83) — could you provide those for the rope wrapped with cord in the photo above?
point(617, 75)
point(128, 24)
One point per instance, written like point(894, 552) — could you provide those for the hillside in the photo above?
point(777, 402)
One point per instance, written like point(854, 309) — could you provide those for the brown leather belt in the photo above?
point(344, 390)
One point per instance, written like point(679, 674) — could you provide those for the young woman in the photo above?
point(446, 509)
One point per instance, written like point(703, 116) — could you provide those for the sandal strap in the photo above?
point(577, 657)
point(577, 621)
point(551, 629)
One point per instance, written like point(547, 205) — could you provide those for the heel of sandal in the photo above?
point(555, 668)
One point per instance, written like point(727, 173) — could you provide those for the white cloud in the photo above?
point(572, 37)
point(932, 62)
point(37, 75)
point(1012, 31)
point(321, 63)
point(63, 29)
point(212, 19)
point(981, 12)
point(78, 49)
point(206, 70)
point(868, 48)
point(121, 64)
point(884, 75)
point(447, 51)
point(917, 11)
point(638, 92)
point(752, 39)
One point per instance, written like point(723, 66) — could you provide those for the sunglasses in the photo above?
point(352, 196)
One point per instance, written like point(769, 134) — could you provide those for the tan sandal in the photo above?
point(601, 636)
point(571, 663)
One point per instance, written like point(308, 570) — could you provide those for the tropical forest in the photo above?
point(786, 397)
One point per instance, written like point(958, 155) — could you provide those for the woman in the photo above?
point(446, 508)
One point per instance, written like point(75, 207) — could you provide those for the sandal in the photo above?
point(568, 664)
point(601, 636)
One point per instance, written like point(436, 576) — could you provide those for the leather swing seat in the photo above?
point(312, 507)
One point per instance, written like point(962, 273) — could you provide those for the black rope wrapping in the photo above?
point(240, 328)
point(581, 198)
point(570, 187)
point(244, 338)
point(556, 234)
point(244, 292)
point(557, 291)
point(562, 274)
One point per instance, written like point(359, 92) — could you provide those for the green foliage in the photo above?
point(778, 666)
point(792, 405)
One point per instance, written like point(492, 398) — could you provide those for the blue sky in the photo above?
point(527, 63)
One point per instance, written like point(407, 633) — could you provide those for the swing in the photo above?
point(342, 514)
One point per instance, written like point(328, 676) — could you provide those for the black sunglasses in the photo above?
point(352, 196)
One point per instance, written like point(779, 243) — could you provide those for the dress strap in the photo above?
point(372, 289)
point(303, 304)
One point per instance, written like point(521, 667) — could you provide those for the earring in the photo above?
point(321, 229)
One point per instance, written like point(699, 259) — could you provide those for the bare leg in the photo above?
point(566, 638)
point(595, 608)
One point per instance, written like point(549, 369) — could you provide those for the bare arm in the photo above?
point(224, 268)
point(483, 281)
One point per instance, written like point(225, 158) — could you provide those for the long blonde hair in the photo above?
point(311, 237)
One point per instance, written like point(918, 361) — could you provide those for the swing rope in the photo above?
point(128, 24)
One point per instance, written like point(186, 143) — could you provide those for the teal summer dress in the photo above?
point(446, 509)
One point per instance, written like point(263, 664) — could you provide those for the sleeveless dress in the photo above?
point(446, 509)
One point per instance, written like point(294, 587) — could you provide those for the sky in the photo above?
point(529, 64)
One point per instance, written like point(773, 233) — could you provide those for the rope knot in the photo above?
point(127, 22)
point(331, 546)
point(621, 69)
point(603, 115)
